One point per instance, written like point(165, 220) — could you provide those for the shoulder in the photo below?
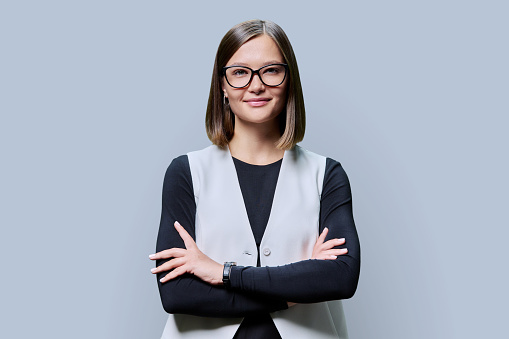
point(178, 166)
point(177, 180)
point(335, 169)
point(334, 174)
point(185, 169)
point(178, 174)
point(310, 162)
point(301, 152)
point(181, 164)
point(331, 166)
point(206, 155)
point(335, 180)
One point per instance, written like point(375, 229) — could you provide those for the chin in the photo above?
point(252, 119)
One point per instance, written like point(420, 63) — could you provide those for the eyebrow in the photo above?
point(264, 64)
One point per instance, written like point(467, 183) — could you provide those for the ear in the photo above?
point(224, 93)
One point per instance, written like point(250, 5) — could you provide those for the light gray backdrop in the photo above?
point(97, 97)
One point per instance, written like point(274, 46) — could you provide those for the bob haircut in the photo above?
point(220, 121)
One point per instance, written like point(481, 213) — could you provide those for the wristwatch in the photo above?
point(226, 272)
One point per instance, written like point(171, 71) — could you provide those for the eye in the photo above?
point(272, 70)
point(238, 72)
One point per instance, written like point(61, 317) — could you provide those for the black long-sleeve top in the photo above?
point(257, 291)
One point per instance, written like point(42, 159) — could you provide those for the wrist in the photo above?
point(227, 269)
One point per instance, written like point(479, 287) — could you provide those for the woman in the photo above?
point(255, 226)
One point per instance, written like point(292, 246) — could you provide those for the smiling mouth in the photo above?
point(256, 102)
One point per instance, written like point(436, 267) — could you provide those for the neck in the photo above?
point(255, 143)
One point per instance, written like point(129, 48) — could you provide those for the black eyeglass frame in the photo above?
point(253, 72)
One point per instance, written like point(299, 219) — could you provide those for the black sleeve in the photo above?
point(188, 294)
point(312, 281)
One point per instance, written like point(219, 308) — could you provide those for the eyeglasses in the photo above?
point(270, 75)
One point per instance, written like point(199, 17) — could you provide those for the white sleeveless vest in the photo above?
point(224, 234)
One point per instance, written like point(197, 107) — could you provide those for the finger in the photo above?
point(332, 243)
point(322, 236)
point(330, 254)
point(173, 274)
point(169, 265)
point(325, 257)
point(188, 240)
point(335, 251)
point(170, 253)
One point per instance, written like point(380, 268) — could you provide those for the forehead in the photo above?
point(256, 53)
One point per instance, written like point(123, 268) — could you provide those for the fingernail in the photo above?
point(151, 256)
point(152, 270)
point(342, 239)
point(334, 257)
point(161, 280)
point(177, 223)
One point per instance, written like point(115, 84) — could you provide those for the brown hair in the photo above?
point(219, 119)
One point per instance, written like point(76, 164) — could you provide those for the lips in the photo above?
point(257, 102)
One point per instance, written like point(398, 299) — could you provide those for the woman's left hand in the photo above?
point(189, 260)
point(325, 250)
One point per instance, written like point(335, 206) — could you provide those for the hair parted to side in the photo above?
point(219, 119)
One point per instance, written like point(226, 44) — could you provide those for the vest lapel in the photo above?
point(278, 195)
point(237, 199)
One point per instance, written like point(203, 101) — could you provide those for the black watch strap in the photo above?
point(227, 269)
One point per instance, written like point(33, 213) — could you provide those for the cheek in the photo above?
point(235, 97)
point(281, 96)
point(282, 91)
point(235, 102)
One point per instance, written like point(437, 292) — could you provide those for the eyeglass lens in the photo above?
point(271, 75)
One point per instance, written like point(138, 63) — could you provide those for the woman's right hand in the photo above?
point(189, 260)
point(325, 250)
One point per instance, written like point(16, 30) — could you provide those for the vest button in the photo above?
point(266, 252)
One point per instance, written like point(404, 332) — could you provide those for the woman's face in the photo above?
point(256, 103)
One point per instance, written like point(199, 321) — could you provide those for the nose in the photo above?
point(256, 84)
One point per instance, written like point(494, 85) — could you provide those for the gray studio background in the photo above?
point(97, 98)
